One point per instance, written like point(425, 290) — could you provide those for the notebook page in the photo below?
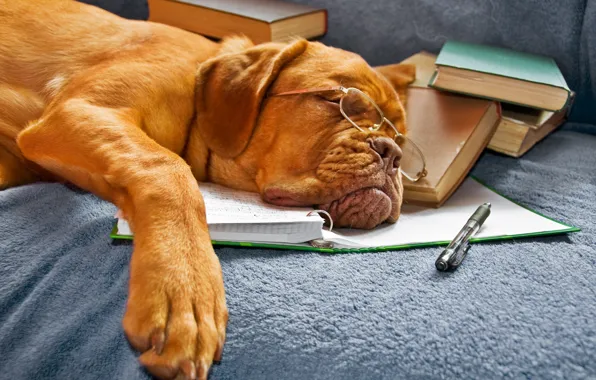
point(425, 225)
point(225, 205)
point(279, 233)
point(234, 215)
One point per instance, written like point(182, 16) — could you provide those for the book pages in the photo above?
point(224, 206)
point(240, 216)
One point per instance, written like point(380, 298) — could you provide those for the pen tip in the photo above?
point(487, 204)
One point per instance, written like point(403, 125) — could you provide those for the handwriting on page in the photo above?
point(232, 206)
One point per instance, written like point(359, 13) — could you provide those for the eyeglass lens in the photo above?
point(359, 108)
point(412, 162)
point(364, 113)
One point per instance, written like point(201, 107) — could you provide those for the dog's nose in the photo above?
point(389, 151)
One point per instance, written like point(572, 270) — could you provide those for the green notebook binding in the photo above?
point(501, 74)
point(417, 227)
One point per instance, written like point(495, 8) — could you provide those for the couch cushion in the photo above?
point(521, 308)
point(133, 9)
point(585, 106)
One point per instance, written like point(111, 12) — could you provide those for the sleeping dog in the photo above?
point(138, 113)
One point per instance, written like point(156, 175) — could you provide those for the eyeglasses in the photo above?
point(360, 110)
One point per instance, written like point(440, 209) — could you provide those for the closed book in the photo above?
point(521, 128)
point(259, 20)
point(425, 67)
point(501, 74)
point(452, 131)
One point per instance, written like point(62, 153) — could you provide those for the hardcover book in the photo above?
point(259, 20)
point(519, 129)
point(452, 132)
point(501, 74)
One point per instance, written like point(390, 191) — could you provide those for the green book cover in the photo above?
point(501, 62)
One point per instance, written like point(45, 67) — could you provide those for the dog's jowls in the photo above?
point(137, 113)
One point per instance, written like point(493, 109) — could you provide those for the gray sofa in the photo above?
point(518, 309)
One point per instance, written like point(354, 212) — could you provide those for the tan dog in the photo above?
point(137, 112)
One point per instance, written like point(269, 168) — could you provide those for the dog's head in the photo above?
point(299, 150)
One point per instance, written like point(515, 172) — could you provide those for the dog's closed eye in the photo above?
point(330, 98)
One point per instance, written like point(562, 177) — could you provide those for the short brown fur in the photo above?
point(138, 112)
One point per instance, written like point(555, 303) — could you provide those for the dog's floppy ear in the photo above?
point(400, 75)
point(229, 91)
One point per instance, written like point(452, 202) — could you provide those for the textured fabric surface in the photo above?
point(386, 31)
point(586, 107)
point(132, 9)
point(516, 309)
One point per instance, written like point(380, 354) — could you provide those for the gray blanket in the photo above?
point(517, 309)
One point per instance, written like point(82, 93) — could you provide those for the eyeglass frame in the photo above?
point(374, 128)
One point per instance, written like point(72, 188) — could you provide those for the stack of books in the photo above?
point(471, 97)
point(533, 93)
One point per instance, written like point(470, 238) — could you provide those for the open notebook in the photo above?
point(242, 219)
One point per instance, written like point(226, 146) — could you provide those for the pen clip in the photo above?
point(459, 255)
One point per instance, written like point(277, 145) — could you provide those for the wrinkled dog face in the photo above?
point(304, 152)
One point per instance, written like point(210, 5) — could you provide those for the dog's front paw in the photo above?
point(176, 313)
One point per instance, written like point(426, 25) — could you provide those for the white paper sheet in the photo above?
point(244, 217)
point(418, 225)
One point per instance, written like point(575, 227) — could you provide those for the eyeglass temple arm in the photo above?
point(309, 90)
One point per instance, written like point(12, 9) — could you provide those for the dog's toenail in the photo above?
point(158, 340)
point(189, 369)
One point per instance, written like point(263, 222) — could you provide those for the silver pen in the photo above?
point(457, 250)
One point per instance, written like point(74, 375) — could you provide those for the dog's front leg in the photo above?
point(176, 312)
